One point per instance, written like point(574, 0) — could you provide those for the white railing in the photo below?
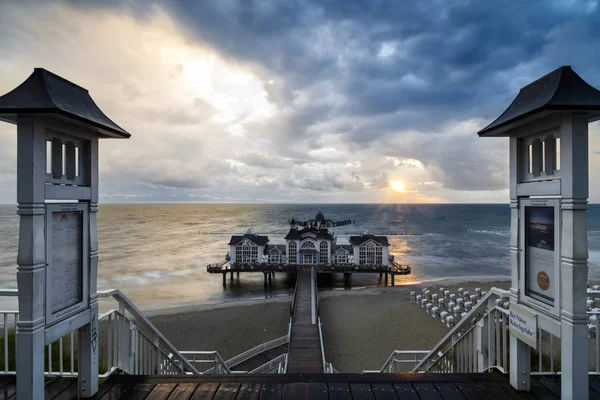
point(464, 326)
point(261, 348)
point(207, 362)
point(278, 363)
point(398, 359)
point(132, 344)
point(325, 364)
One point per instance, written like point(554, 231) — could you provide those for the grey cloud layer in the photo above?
point(356, 82)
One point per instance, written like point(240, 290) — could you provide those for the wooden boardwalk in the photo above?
point(304, 355)
point(489, 386)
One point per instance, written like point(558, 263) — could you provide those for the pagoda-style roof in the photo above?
point(47, 93)
point(358, 240)
point(259, 240)
point(322, 233)
point(560, 90)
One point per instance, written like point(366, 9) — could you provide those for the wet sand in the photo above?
point(361, 327)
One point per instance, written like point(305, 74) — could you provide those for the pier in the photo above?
point(304, 354)
point(268, 270)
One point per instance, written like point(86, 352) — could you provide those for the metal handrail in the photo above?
point(293, 305)
point(261, 348)
point(144, 325)
point(322, 348)
point(270, 365)
point(388, 365)
point(463, 325)
point(208, 357)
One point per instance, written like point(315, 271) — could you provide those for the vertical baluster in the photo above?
point(540, 333)
point(505, 342)
point(552, 353)
point(15, 327)
point(498, 338)
point(5, 342)
point(50, 358)
point(60, 355)
point(72, 356)
point(109, 333)
point(597, 345)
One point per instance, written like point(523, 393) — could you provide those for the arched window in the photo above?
point(370, 253)
point(274, 256)
point(341, 257)
point(308, 245)
point(246, 252)
point(323, 253)
point(292, 253)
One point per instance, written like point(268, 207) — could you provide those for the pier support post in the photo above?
point(238, 276)
point(231, 275)
point(349, 280)
point(380, 275)
point(393, 276)
point(224, 279)
point(386, 279)
point(265, 275)
point(270, 278)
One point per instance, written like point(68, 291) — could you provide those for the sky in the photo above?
point(300, 101)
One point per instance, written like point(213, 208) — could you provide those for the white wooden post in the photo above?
point(520, 364)
point(574, 254)
point(31, 170)
point(58, 240)
point(88, 334)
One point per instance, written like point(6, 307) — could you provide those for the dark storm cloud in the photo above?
point(395, 67)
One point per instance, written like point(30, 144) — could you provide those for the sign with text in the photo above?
point(523, 325)
point(539, 262)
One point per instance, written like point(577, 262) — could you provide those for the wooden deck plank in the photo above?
point(183, 391)
point(361, 391)
point(249, 391)
point(227, 391)
point(114, 392)
point(70, 393)
point(449, 391)
point(541, 392)
point(8, 390)
point(384, 391)
point(317, 391)
point(339, 391)
point(493, 390)
point(471, 391)
point(205, 391)
point(426, 391)
point(56, 387)
point(161, 391)
point(295, 391)
point(406, 391)
point(271, 391)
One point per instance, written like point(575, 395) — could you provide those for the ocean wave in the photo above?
point(500, 232)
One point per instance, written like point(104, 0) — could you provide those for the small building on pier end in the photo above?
point(310, 242)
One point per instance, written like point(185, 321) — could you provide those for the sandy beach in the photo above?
point(361, 327)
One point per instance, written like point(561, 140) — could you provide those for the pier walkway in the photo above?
point(304, 354)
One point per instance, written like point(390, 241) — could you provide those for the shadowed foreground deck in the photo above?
point(310, 386)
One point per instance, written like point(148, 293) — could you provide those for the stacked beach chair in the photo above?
point(449, 307)
point(593, 309)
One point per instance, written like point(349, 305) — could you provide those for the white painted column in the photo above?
point(88, 334)
point(520, 361)
point(574, 254)
point(31, 259)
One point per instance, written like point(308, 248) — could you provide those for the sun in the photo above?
point(398, 186)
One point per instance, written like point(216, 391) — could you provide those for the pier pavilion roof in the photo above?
point(322, 234)
point(280, 247)
point(253, 237)
point(358, 240)
point(561, 89)
point(337, 247)
point(47, 93)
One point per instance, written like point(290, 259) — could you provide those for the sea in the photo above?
point(157, 254)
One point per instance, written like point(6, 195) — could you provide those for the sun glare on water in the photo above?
point(398, 186)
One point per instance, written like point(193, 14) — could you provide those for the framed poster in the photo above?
point(540, 254)
point(67, 255)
